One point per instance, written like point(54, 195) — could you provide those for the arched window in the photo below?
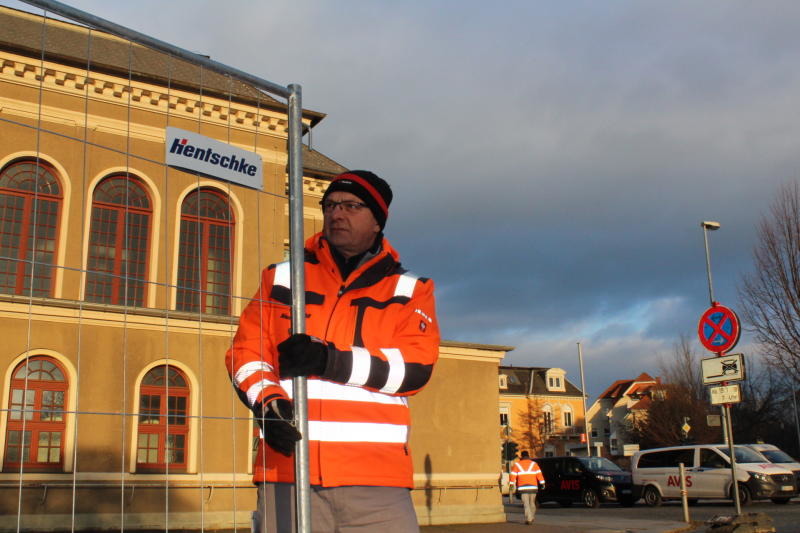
point(568, 416)
point(119, 238)
point(163, 421)
point(204, 262)
point(30, 206)
point(36, 425)
point(547, 419)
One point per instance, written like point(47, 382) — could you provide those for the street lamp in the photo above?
point(709, 225)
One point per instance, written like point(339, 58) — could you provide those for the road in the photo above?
point(786, 518)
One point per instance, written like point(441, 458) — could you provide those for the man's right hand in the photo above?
point(275, 420)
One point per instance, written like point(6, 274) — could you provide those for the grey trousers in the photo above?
point(529, 504)
point(352, 509)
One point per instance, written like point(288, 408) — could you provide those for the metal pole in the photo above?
point(684, 493)
point(708, 267)
point(724, 416)
point(297, 267)
point(722, 412)
point(583, 397)
point(506, 465)
point(725, 409)
point(735, 487)
point(132, 35)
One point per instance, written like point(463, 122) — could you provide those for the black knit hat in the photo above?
point(374, 191)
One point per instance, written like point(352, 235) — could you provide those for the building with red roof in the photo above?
point(616, 410)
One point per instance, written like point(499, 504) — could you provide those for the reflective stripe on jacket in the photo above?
point(380, 324)
point(526, 475)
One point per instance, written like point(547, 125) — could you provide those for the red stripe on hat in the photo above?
point(370, 189)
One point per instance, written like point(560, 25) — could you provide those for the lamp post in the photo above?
point(709, 225)
point(583, 397)
point(727, 431)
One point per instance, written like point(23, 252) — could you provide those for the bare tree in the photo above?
point(682, 398)
point(771, 295)
point(765, 413)
point(529, 432)
point(684, 369)
point(667, 415)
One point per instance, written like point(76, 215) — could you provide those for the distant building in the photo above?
point(623, 403)
point(541, 411)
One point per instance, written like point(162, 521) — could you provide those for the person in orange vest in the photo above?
point(371, 341)
point(527, 477)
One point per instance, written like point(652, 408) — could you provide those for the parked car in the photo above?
point(773, 454)
point(708, 474)
point(588, 480)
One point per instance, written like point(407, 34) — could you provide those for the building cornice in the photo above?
point(139, 95)
point(475, 352)
point(70, 312)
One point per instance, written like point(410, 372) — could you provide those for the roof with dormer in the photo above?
point(623, 387)
point(532, 380)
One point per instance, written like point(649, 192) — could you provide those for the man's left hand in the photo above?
point(302, 355)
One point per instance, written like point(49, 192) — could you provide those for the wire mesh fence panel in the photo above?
point(141, 194)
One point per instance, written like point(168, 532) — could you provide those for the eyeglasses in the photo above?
point(348, 206)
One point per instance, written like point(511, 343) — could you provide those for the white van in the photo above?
point(708, 474)
point(773, 454)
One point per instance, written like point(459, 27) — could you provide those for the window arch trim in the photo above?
point(69, 405)
point(66, 201)
point(565, 410)
point(49, 169)
point(154, 194)
point(193, 414)
point(238, 300)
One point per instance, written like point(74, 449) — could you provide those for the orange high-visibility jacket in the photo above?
point(526, 475)
point(383, 336)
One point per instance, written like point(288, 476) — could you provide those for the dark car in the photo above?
point(589, 480)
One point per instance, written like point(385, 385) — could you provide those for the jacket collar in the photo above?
point(369, 272)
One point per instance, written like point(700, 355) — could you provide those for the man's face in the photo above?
point(350, 233)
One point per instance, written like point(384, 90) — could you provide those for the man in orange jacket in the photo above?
point(527, 477)
point(372, 340)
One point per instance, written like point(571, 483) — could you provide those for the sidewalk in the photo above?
point(559, 524)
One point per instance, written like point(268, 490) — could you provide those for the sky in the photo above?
point(551, 161)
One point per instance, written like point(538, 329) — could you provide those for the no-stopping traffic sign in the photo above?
point(719, 329)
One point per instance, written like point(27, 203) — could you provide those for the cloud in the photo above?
point(551, 161)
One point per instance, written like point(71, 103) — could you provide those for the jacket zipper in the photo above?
point(342, 290)
point(339, 294)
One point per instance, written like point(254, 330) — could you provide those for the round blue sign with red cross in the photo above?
point(719, 328)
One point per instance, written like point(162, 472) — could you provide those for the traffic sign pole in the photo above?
point(719, 332)
point(734, 484)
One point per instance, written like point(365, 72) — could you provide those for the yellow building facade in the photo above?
point(541, 411)
point(121, 280)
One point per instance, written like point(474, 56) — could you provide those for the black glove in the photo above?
point(275, 419)
point(301, 355)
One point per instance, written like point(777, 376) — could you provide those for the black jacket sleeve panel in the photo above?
point(404, 363)
point(376, 372)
